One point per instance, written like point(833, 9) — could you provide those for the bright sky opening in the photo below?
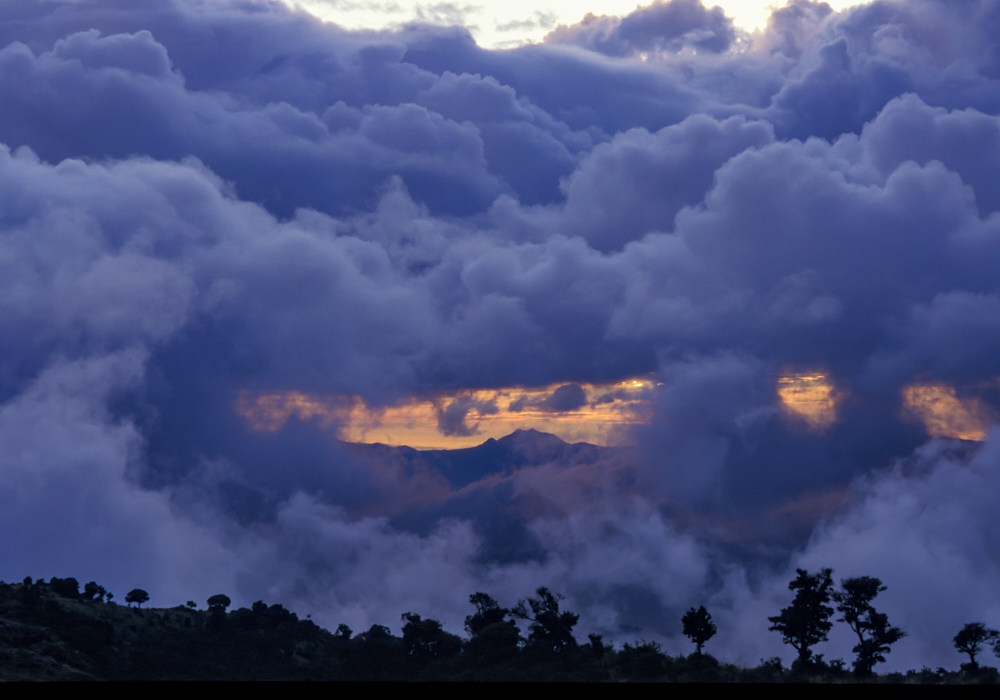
point(508, 24)
point(596, 413)
point(599, 414)
point(810, 397)
point(944, 414)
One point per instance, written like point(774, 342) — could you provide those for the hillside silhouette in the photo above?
point(53, 631)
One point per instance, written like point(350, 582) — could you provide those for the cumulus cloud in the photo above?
point(70, 500)
point(452, 418)
point(198, 200)
point(661, 26)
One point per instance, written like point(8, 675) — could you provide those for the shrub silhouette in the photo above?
point(643, 661)
point(65, 587)
point(92, 591)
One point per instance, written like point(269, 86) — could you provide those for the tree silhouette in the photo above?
point(971, 639)
point(137, 596)
point(425, 641)
point(218, 603)
point(494, 640)
point(875, 635)
point(698, 627)
point(488, 612)
point(377, 655)
point(597, 645)
point(550, 629)
point(805, 622)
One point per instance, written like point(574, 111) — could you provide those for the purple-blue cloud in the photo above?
point(198, 199)
point(660, 26)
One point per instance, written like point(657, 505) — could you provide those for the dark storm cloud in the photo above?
point(202, 200)
point(95, 96)
point(452, 418)
point(568, 397)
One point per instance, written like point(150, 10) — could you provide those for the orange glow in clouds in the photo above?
point(810, 397)
point(946, 415)
point(602, 416)
point(813, 398)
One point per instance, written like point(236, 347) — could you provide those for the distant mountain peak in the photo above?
point(522, 434)
point(531, 441)
point(522, 448)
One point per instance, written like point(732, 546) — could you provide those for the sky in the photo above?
point(510, 24)
point(593, 413)
point(258, 269)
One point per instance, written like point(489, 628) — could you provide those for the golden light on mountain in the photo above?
point(809, 396)
point(944, 414)
point(596, 413)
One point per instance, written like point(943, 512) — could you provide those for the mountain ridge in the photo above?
point(467, 465)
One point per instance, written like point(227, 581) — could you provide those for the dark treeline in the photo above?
point(56, 631)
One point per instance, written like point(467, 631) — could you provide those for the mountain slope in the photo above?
point(461, 467)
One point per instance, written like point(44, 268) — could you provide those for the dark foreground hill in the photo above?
point(53, 631)
point(49, 631)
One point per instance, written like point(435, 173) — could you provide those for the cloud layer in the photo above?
point(201, 199)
